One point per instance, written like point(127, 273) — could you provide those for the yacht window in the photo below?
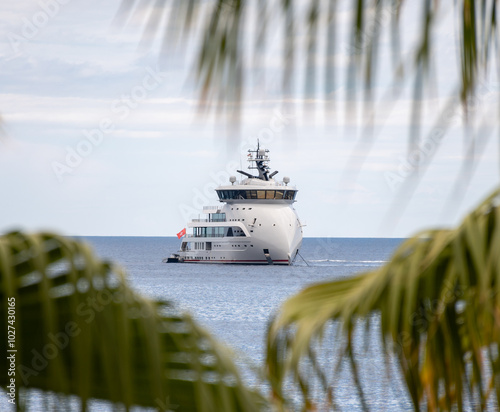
point(217, 217)
point(199, 231)
point(256, 194)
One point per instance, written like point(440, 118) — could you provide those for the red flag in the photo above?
point(181, 233)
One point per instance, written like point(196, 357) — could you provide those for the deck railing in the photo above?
point(206, 235)
point(208, 220)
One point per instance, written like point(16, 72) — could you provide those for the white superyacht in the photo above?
point(254, 224)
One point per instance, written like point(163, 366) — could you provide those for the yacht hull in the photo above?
point(264, 234)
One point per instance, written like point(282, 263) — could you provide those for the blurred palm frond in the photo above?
point(229, 33)
point(438, 305)
point(80, 330)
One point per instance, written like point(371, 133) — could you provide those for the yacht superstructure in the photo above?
point(255, 222)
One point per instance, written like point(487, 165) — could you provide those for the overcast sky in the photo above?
point(100, 141)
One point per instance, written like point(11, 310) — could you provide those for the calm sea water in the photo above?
point(236, 302)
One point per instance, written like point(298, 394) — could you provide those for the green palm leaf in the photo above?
point(81, 330)
point(439, 310)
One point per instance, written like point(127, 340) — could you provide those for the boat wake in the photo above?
point(342, 262)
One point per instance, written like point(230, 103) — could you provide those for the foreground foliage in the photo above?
point(81, 330)
point(438, 303)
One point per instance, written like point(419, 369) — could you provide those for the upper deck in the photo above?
point(232, 193)
point(261, 188)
